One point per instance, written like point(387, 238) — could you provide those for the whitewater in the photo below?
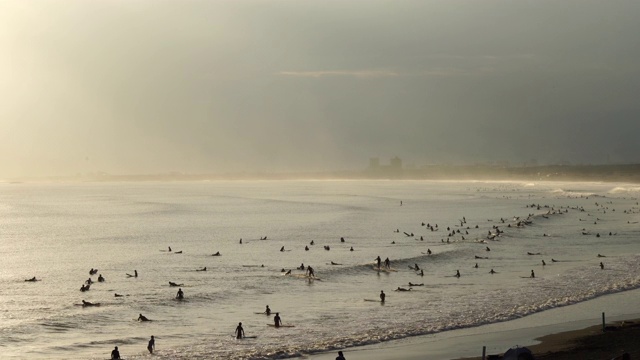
point(57, 232)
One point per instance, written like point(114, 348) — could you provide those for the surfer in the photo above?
point(311, 243)
point(601, 266)
point(169, 248)
point(86, 303)
point(387, 263)
point(378, 261)
point(416, 267)
point(277, 321)
point(600, 255)
point(341, 239)
point(457, 273)
point(301, 267)
point(553, 260)
point(334, 263)
point(306, 248)
point(543, 263)
point(32, 279)
point(118, 295)
point(282, 248)
point(203, 269)
point(476, 266)
point(421, 272)
point(412, 284)
point(100, 278)
point(239, 331)
point(180, 294)
point(288, 272)
point(533, 275)
point(85, 287)
point(135, 274)
point(351, 249)
point(340, 356)
point(492, 272)
point(267, 310)
point(310, 272)
point(152, 345)
point(402, 289)
point(216, 254)
point(115, 354)
point(382, 296)
point(171, 283)
point(428, 251)
point(142, 318)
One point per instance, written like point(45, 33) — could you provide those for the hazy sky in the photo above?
point(133, 86)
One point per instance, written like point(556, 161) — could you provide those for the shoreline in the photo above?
point(553, 334)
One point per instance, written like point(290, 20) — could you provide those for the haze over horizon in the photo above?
point(142, 86)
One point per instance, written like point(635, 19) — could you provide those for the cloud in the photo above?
point(362, 74)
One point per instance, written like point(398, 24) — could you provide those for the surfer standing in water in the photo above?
point(239, 331)
point(152, 345)
point(267, 310)
point(382, 296)
point(277, 321)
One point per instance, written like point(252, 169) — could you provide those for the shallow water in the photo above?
point(57, 232)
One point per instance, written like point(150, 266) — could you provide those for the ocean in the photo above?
point(57, 232)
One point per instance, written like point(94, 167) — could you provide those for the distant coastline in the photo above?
point(599, 173)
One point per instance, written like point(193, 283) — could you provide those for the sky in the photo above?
point(219, 86)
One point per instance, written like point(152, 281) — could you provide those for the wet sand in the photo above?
point(589, 343)
point(571, 332)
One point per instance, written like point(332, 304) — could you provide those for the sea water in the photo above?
point(57, 232)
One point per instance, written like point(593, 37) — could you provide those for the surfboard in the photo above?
point(281, 326)
point(263, 313)
point(372, 300)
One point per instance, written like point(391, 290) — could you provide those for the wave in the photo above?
point(632, 190)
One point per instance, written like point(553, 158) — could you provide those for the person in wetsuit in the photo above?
point(152, 345)
point(180, 294)
point(382, 296)
point(115, 354)
point(277, 321)
point(239, 331)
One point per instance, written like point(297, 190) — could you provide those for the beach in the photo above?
point(558, 334)
point(166, 232)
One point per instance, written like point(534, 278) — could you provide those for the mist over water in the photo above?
point(57, 232)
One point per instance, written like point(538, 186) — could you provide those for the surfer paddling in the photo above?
point(142, 318)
